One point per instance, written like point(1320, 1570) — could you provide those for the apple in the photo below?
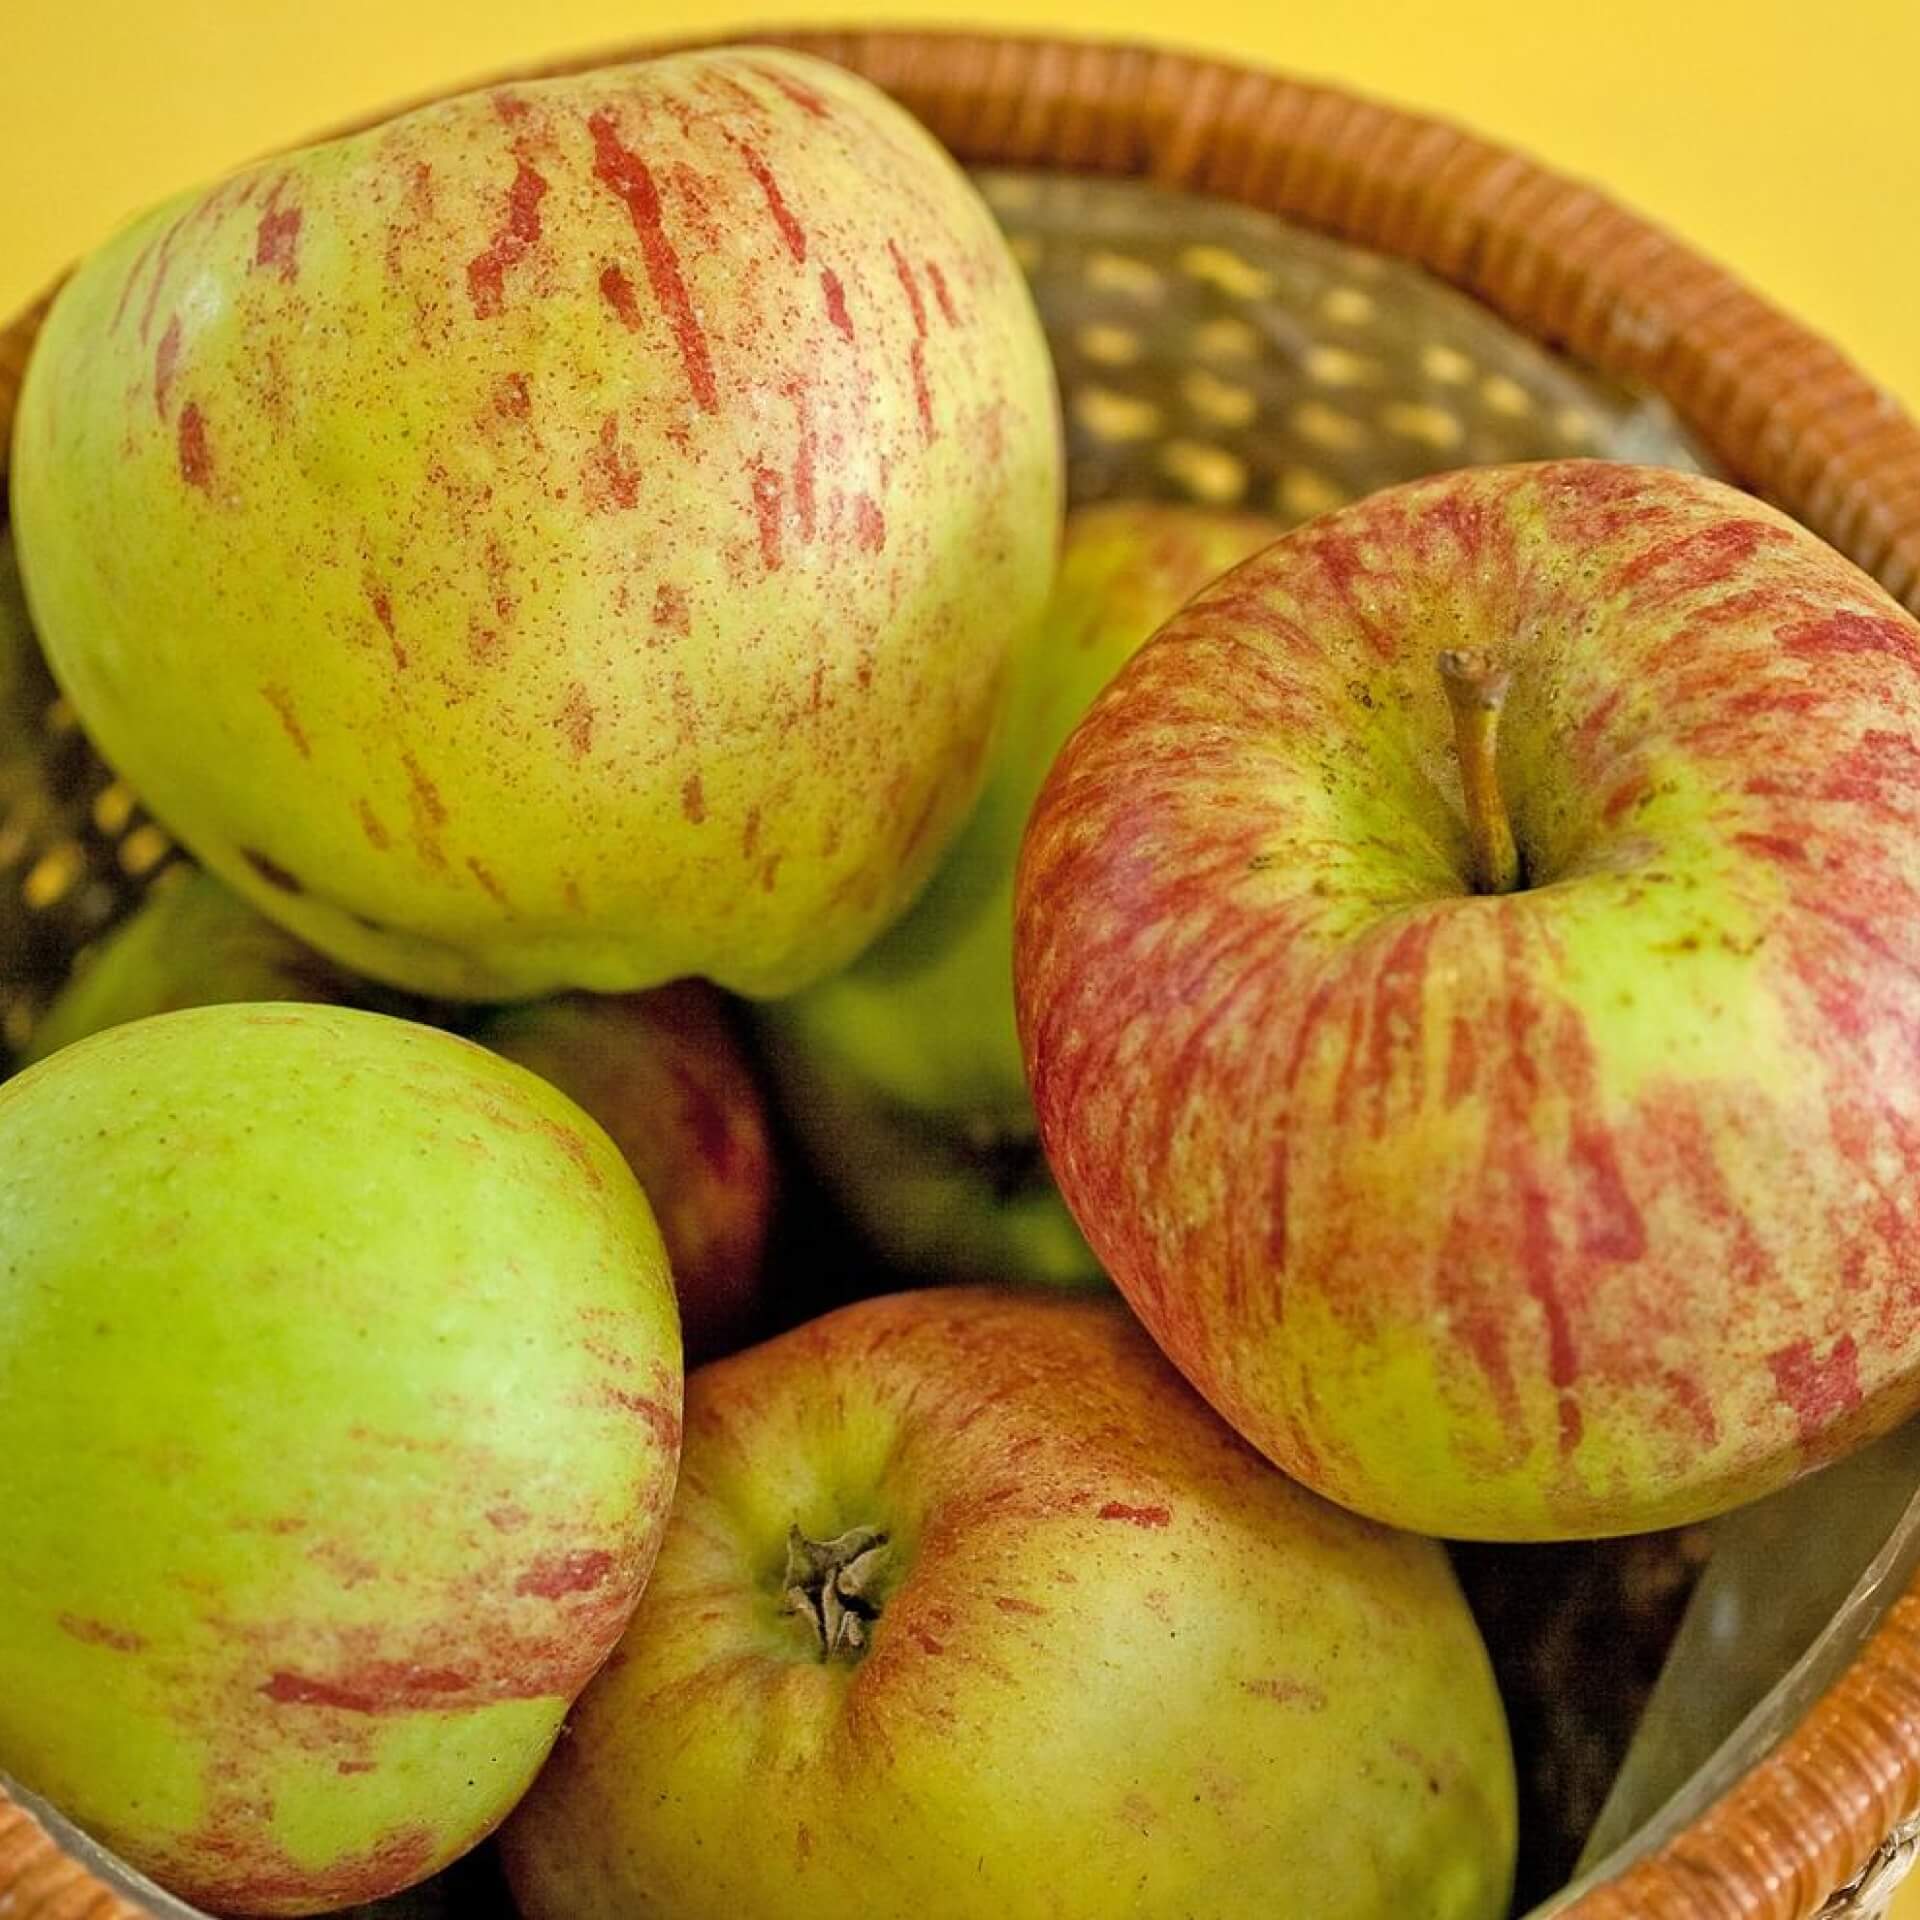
point(665, 1074)
point(968, 1608)
point(193, 942)
point(1582, 1208)
point(598, 511)
point(903, 1074)
point(339, 1413)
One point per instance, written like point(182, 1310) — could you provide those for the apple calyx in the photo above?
point(1476, 691)
point(834, 1583)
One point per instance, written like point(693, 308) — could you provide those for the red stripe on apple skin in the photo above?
point(578, 1572)
point(166, 360)
point(516, 236)
point(617, 291)
point(628, 178)
point(767, 488)
point(805, 507)
point(1818, 1390)
point(804, 97)
point(1697, 559)
point(1396, 1019)
point(236, 1863)
point(943, 297)
point(374, 1688)
point(277, 238)
point(1136, 1516)
point(162, 266)
point(610, 477)
point(1162, 1067)
point(1845, 635)
point(661, 1419)
point(131, 281)
point(916, 306)
point(196, 459)
point(835, 296)
point(97, 1633)
point(792, 235)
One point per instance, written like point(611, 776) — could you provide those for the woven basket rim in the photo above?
point(1782, 409)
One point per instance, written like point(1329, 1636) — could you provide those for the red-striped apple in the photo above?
point(1580, 1207)
point(598, 512)
point(968, 1608)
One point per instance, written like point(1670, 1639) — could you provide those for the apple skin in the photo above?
point(1120, 1665)
point(903, 1074)
point(665, 1074)
point(193, 943)
point(599, 511)
point(339, 1413)
point(1580, 1210)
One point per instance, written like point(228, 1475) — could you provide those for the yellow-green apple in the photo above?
point(902, 1074)
point(193, 943)
point(1584, 1207)
point(968, 1607)
point(597, 511)
point(665, 1074)
point(339, 1411)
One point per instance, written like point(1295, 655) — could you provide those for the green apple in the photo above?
point(1512, 1137)
point(665, 1073)
point(903, 1073)
point(193, 943)
point(969, 1608)
point(339, 1413)
point(598, 512)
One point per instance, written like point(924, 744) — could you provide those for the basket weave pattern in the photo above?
point(1782, 411)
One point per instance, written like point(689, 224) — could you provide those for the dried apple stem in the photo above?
point(1476, 691)
point(835, 1585)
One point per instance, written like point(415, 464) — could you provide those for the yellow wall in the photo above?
point(1783, 135)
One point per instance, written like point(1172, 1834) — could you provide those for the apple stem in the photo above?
point(835, 1584)
point(1476, 691)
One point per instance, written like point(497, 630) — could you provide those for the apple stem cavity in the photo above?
point(835, 1584)
point(1476, 692)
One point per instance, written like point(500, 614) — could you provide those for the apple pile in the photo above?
point(581, 550)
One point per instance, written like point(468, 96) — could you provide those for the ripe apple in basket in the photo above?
point(969, 1608)
point(1515, 1134)
point(597, 512)
point(903, 1074)
point(663, 1072)
point(339, 1411)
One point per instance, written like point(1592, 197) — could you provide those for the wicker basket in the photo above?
point(1806, 1811)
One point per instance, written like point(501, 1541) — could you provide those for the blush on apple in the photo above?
point(666, 1075)
point(968, 1608)
point(1582, 1207)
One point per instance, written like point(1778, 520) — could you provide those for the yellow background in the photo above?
point(1781, 135)
point(1784, 138)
